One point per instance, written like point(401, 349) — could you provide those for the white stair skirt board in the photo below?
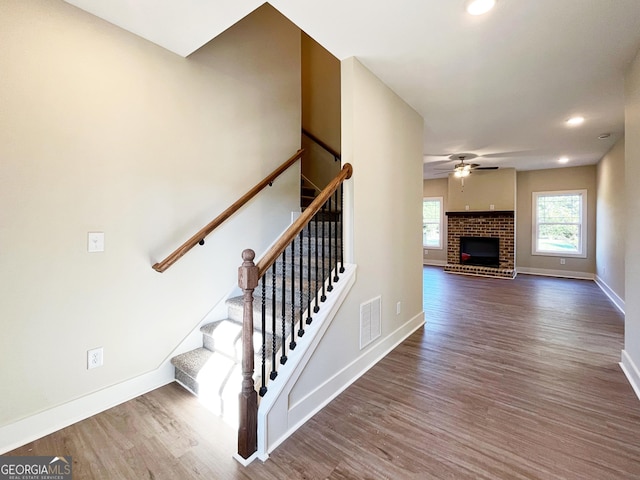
point(632, 372)
point(294, 416)
point(37, 426)
point(613, 296)
point(288, 373)
point(544, 272)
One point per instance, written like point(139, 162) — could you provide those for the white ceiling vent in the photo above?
point(370, 318)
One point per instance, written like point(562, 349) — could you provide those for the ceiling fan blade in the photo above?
point(486, 168)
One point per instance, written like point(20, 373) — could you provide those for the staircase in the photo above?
point(213, 372)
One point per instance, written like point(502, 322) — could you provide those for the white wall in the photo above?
point(612, 223)
point(382, 139)
point(103, 131)
point(631, 353)
point(482, 189)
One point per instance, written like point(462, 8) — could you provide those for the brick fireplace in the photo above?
point(491, 224)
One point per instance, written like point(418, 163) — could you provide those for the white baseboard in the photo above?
point(37, 426)
point(613, 296)
point(334, 386)
point(631, 371)
point(547, 272)
point(434, 263)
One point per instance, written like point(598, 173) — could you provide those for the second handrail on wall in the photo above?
point(207, 229)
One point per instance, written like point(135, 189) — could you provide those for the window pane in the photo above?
point(431, 211)
point(432, 222)
point(431, 235)
point(559, 209)
point(559, 238)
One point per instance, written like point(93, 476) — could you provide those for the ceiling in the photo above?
point(500, 85)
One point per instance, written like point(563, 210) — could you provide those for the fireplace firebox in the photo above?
point(480, 251)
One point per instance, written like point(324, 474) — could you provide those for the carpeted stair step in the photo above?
point(235, 311)
point(213, 377)
point(225, 336)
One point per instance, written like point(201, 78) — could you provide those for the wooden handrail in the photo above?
point(335, 154)
point(296, 227)
point(207, 229)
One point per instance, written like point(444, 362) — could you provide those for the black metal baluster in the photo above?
point(283, 298)
point(342, 228)
point(329, 268)
point(323, 215)
point(335, 232)
point(316, 308)
point(274, 331)
point(283, 302)
point(292, 344)
point(263, 388)
point(309, 319)
point(301, 289)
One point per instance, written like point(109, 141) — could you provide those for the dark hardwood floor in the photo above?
point(508, 380)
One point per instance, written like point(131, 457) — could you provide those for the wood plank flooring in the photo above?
point(509, 379)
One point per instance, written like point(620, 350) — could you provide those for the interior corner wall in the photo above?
point(554, 179)
point(611, 220)
point(320, 111)
point(382, 139)
point(632, 260)
point(103, 131)
point(437, 188)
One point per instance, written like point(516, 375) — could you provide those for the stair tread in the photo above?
point(193, 361)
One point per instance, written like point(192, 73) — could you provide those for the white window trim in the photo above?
point(441, 241)
point(583, 225)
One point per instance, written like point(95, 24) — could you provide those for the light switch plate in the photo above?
point(95, 242)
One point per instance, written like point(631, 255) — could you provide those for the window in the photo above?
point(432, 222)
point(560, 223)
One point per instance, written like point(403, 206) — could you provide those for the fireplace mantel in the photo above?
point(478, 213)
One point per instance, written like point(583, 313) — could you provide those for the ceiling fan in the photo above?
point(463, 168)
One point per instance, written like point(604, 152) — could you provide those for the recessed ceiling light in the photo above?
point(574, 121)
point(563, 160)
point(479, 7)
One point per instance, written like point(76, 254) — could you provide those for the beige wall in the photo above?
point(632, 261)
point(437, 188)
point(572, 178)
point(320, 110)
point(482, 189)
point(382, 138)
point(611, 219)
point(103, 131)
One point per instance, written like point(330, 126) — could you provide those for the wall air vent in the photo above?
point(370, 321)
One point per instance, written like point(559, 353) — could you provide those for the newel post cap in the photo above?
point(248, 272)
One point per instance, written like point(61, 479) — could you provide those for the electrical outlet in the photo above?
point(398, 308)
point(426, 251)
point(563, 261)
point(95, 358)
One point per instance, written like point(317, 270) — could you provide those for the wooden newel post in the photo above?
point(248, 428)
